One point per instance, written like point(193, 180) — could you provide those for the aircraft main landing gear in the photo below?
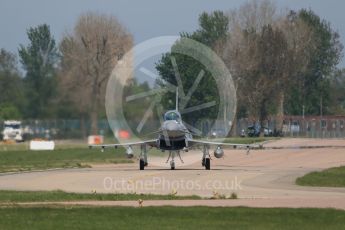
point(143, 157)
point(206, 159)
point(207, 163)
point(141, 164)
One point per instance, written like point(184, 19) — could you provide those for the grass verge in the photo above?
point(23, 160)
point(249, 140)
point(332, 177)
point(73, 217)
point(58, 195)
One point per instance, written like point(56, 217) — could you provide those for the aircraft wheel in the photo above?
point(141, 164)
point(172, 165)
point(207, 164)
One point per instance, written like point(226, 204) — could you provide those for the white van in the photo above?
point(12, 131)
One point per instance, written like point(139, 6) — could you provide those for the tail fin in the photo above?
point(176, 99)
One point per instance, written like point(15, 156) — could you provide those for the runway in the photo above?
point(264, 178)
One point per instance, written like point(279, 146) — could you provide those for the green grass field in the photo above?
point(40, 196)
point(24, 160)
point(73, 217)
point(333, 177)
point(249, 140)
point(60, 144)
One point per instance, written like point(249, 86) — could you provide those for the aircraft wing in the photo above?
point(201, 142)
point(152, 143)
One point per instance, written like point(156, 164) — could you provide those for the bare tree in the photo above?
point(253, 15)
point(89, 55)
point(300, 47)
point(243, 55)
point(266, 52)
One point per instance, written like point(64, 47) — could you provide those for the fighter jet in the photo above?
point(174, 137)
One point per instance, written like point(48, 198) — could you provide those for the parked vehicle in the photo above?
point(218, 133)
point(268, 132)
point(253, 131)
point(12, 131)
point(243, 133)
point(294, 128)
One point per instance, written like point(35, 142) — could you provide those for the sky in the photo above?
point(145, 19)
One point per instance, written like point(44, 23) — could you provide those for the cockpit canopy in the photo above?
point(172, 116)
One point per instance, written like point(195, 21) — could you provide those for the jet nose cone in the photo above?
point(173, 129)
point(170, 126)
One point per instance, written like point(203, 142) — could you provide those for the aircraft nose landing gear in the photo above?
point(172, 165)
point(172, 162)
point(172, 156)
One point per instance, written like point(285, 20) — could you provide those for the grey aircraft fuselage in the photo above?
point(173, 133)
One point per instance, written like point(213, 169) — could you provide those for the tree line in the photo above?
point(282, 62)
point(65, 79)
